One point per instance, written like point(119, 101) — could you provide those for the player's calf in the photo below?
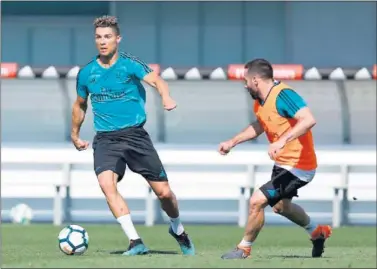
point(108, 183)
point(169, 204)
point(167, 199)
point(318, 233)
point(292, 211)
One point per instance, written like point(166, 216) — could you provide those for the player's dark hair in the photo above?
point(261, 67)
point(107, 21)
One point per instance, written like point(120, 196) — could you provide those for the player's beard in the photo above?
point(252, 93)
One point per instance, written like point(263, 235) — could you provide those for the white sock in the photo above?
point(177, 226)
point(244, 243)
point(128, 227)
point(310, 227)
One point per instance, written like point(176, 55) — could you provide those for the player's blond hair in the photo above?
point(107, 21)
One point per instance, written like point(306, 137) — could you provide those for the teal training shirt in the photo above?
point(116, 93)
point(288, 102)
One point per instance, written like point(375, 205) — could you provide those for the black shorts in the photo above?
point(130, 147)
point(283, 185)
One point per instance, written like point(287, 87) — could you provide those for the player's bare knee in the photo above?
point(162, 190)
point(282, 207)
point(257, 202)
point(109, 190)
point(164, 193)
point(107, 183)
point(255, 205)
point(278, 208)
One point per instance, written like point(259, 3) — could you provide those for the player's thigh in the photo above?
point(292, 182)
point(108, 156)
point(142, 158)
point(283, 185)
point(258, 200)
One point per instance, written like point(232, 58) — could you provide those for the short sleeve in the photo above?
point(81, 87)
point(139, 68)
point(289, 102)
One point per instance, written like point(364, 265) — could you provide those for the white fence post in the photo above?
point(57, 206)
point(340, 199)
point(62, 211)
point(245, 193)
point(336, 208)
point(242, 210)
point(251, 180)
point(67, 185)
point(344, 170)
point(149, 208)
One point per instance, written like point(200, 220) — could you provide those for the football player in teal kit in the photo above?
point(112, 80)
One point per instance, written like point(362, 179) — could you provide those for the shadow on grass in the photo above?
point(163, 252)
point(292, 256)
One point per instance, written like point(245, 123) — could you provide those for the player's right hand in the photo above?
point(80, 144)
point(225, 147)
point(169, 103)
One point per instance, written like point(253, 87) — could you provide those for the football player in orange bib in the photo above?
point(287, 121)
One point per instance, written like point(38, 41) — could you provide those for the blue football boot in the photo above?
point(136, 247)
point(187, 247)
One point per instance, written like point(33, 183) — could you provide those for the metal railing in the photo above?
point(344, 159)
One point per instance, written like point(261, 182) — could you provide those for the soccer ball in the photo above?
point(73, 240)
point(21, 214)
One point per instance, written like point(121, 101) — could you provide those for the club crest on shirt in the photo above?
point(122, 76)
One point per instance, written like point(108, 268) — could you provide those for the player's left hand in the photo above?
point(275, 148)
point(169, 103)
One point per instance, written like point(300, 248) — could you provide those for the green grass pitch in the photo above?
point(279, 247)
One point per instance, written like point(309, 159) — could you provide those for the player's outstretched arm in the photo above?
point(251, 132)
point(78, 112)
point(143, 72)
point(78, 115)
point(162, 87)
